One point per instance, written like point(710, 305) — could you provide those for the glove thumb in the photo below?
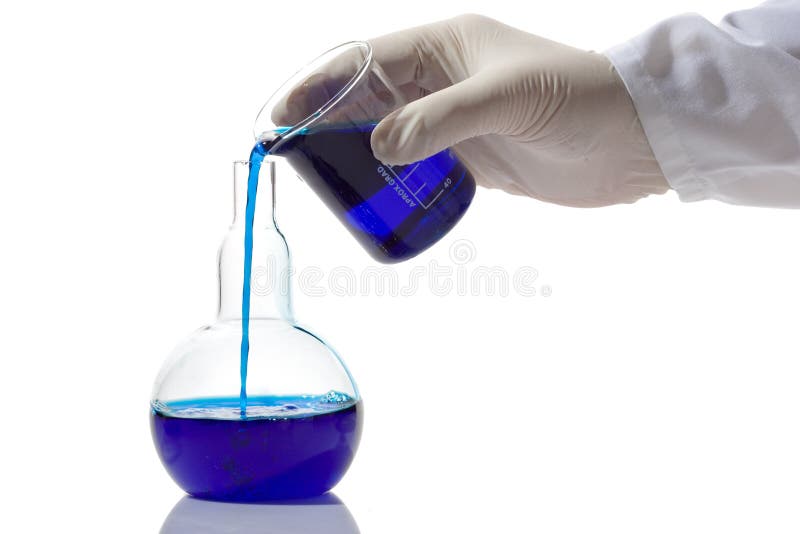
point(440, 120)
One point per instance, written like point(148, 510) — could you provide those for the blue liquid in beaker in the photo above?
point(285, 447)
point(395, 212)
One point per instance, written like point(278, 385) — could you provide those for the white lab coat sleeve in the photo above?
point(720, 105)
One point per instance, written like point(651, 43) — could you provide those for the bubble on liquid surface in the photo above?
point(258, 407)
point(337, 397)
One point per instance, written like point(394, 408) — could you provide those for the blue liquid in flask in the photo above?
point(395, 212)
point(286, 447)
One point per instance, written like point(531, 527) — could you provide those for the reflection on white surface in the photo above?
point(305, 516)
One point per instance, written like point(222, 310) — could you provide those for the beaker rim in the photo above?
point(310, 67)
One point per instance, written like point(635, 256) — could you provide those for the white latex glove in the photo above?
point(524, 114)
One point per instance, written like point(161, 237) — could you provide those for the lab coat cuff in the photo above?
point(665, 140)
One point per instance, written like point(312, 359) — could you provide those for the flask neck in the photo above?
point(270, 288)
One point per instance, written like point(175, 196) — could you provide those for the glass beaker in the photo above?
point(303, 416)
point(321, 120)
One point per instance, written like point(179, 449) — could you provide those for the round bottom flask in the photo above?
point(282, 422)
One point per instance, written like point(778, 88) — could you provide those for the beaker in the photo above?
point(303, 417)
point(321, 120)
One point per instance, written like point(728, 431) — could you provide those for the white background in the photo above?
point(654, 391)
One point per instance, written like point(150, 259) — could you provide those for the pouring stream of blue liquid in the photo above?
point(256, 159)
point(395, 212)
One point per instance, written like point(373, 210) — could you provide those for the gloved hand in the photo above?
point(524, 114)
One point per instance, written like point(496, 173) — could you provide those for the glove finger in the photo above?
point(363, 108)
point(310, 92)
point(415, 58)
point(437, 121)
point(412, 92)
point(420, 55)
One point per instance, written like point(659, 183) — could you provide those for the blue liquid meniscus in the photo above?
point(286, 447)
